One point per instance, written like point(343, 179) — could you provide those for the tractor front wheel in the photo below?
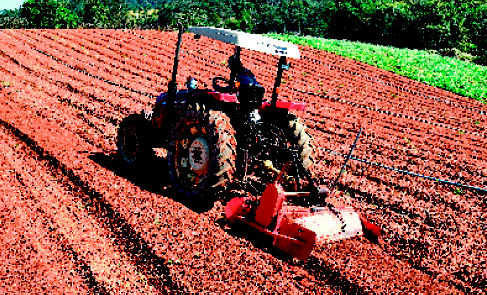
point(202, 153)
point(132, 139)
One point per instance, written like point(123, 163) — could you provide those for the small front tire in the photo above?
point(133, 139)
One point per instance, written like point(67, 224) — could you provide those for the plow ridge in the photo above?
point(380, 79)
point(387, 112)
point(67, 255)
point(122, 234)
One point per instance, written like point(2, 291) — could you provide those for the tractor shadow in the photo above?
point(150, 175)
point(257, 239)
point(324, 272)
point(315, 266)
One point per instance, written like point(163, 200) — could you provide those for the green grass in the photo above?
point(461, 77)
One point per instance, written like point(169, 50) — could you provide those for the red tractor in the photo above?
point(227, 137)
point(230, 139)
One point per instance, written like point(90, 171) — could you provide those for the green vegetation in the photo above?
point(66, 14)
point(11, 19)
point(458, 191)
point(452, 74)
point(45, 14)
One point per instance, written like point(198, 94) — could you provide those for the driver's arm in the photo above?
point(223, 89)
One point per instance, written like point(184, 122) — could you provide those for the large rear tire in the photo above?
point(299, 137)
point(300, 143)
point(133, 145)
point(202, 153)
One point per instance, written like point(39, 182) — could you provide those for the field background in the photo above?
point(74, 221)
point(450, 28)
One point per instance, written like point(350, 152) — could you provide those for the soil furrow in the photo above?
point(79, 83)
point(30, 247)
point(95, 64)
point(86, 237)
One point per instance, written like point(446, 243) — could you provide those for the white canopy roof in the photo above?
point(249, 41)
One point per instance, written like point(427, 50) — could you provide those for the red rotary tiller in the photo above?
point(295, 229)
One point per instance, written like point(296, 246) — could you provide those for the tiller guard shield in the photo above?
point(295, 229)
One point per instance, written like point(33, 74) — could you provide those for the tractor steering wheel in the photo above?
point(218, 88)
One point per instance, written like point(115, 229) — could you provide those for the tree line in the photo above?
point(447, 26)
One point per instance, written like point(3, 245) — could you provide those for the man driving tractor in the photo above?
point(239, 76)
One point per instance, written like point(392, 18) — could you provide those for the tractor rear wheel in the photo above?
point(299, 137)
point(301, 143)
point(132, 139)
point(202, 153)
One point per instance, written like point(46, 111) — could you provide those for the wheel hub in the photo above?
point(199, 156)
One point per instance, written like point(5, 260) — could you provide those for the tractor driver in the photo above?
point(242, 75)
point(239, 74)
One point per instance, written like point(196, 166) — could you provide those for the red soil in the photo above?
point(73, 221)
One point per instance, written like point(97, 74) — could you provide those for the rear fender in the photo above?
point(211, 99)
point(288, 105)
point(224, 97)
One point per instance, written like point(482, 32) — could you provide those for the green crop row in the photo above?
point(454, 75)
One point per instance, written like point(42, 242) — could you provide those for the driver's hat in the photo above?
point(234, 62)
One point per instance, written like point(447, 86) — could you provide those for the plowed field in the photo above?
point(72, 220)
